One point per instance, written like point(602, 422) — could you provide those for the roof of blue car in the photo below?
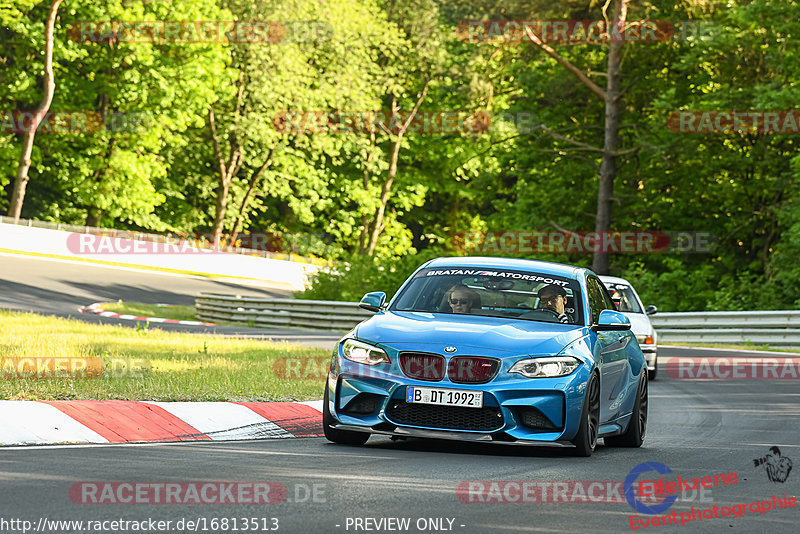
point(544, 267)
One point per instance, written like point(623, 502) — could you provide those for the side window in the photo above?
point(598, 299)
point(607, 298)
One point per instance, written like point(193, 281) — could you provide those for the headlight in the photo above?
point(359, 352)
point(547, 367)
point(644, 340)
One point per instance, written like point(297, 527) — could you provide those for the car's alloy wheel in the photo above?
point(586, 439)
point(634, 435)
point(345, 437)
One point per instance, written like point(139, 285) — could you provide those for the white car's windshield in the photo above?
point(496, 293)
point(628, 301)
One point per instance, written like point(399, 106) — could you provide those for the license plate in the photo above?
point(444, 397)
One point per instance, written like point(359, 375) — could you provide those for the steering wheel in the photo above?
point(555, 313)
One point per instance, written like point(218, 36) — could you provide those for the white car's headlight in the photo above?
point(359, 352)
point(546, 367)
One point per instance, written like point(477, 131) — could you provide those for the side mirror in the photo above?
point(373, 301)
point(611, 320)
point(650, 310)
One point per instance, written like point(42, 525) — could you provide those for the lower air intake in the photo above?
point(484, 419)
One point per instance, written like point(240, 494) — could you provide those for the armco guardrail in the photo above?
point(779, 328)
point(254, 311)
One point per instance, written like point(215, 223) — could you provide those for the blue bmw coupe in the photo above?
point(491, 350)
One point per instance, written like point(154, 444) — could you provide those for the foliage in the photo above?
point(741, 187)
point(350, 280)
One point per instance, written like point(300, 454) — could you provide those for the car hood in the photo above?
point(640, 324)
point(434, 331)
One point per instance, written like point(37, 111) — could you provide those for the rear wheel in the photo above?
point(586, 439)
point(634, 435)
point(345, 437)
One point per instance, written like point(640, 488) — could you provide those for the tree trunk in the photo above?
point(94, 214)
point(254, 181)
point(220, 207)
point(385, 191)
point(364, 237)
point(605, 188)
point(611, 98)
point(21, 180)
point(226, 174)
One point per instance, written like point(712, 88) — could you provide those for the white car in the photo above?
point(629, 303)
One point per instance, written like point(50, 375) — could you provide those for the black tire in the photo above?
point(345, 437)
point(651, 375)
point(586, 439)
point(634, 435)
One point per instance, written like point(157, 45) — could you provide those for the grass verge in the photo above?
point(164, 311)
point(147, 364)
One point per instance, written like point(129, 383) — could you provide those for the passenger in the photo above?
point(463, 299)
point(554, 298)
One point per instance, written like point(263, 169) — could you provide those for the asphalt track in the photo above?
point(696, 428)
point(59, 288)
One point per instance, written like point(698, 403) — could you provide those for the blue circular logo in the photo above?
point(629, 485)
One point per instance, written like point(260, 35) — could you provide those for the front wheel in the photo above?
point(586, 439)
point(634, 435)
point(345, 437)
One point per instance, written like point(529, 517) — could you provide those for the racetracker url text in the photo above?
point(198, 524)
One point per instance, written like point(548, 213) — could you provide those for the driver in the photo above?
point(554, 298)
point(463, 299)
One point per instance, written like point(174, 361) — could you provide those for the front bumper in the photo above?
point(651, 355)
point(516, 409)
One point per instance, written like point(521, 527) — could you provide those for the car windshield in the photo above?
point(495, 293)
point(628, 301)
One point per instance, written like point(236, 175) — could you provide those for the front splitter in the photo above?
point(476, 437)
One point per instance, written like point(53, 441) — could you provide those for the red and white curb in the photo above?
point(119, 421)
point(95, 308)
